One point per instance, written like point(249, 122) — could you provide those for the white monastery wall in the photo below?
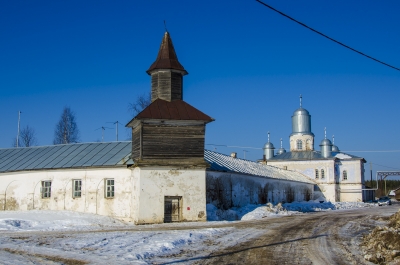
point(153, 184)
point(22, 191)
point(226, 190)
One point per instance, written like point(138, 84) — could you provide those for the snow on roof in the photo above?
point(342, 156)
point(220, 162)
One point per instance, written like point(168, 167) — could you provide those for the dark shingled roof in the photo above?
point(166, 58)
point(174, 110)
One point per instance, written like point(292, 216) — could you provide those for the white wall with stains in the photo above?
point(152, 184)
point(22, 191)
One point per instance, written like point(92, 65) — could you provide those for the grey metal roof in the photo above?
point(220, 162)
point(313, 155)
point(65, 156)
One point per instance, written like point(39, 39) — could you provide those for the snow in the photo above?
point(342, 156)
point(31, 237)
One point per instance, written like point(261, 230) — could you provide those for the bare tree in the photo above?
point(140, 104)
point(27, 137)
point(66, 131)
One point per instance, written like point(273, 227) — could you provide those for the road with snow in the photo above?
point(326, 237)
point(319, 238)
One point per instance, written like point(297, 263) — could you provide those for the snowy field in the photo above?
point(32, 237)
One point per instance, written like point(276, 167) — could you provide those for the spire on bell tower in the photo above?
point(166, 72)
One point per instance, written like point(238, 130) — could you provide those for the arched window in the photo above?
point(322, 174)
point(308, 144)
point(299, 145)
point(316, 174)
point(344, 175)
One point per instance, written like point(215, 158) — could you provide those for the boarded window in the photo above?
point(172, 209)
point(46, 189)
point(76, 188)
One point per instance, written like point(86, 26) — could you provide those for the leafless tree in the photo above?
point(140, 104)
point(66, 131)
point(27, 137)
point(136, 107)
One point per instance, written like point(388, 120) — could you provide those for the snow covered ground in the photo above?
point(31, 237)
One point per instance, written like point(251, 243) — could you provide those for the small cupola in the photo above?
point(326, 147)
point(281, 150)
point(166, 73)
point(334, 147)
point(268, 150)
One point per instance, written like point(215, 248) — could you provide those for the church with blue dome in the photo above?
point(339, 176)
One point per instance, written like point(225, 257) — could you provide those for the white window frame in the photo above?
point(299, 144)
point(322, 174)
point(45, 190)
point(317, 173)
point(76, 188)
point(109, 188)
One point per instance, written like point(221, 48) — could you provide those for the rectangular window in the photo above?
point(76, 188)
point(109, 188)
point(46, 189)
point(285, 167)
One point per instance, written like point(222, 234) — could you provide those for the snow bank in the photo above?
point(53, 220)
point(253, 212)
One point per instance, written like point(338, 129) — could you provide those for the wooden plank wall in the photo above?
point(136, 142)
point(172, 142)
point(166, 85)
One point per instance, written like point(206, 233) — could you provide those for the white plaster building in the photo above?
point(340, 176)
point(162, 175)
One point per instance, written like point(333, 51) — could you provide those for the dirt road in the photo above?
point(320, 238)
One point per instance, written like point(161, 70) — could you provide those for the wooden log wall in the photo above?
point(172, 142)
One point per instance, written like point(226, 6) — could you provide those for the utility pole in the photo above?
point(370, 169)
point(244, 152)
point(19, 120)
point(116, 129)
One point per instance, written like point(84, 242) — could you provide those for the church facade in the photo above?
point(339, 176)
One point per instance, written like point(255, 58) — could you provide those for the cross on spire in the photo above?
point(301, 99)
point(281, 142)
point(333, 139)
point(268, 136)
point(325, 132)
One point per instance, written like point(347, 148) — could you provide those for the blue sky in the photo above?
point(247, 67)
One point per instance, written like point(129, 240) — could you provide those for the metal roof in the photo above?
point(166, 58)
point(220, 162)
point(65, 156)
point(174, 110)
point(313, 155)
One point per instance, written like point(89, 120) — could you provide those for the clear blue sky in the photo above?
point(247, 66)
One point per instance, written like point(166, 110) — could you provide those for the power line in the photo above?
point(320, 33)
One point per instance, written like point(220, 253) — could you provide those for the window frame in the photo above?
point(322, 174)
point(109, 188)
point(76, 193)
point(299, 144)
point(45, 190)
point(344, 174)
point(316, 173)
